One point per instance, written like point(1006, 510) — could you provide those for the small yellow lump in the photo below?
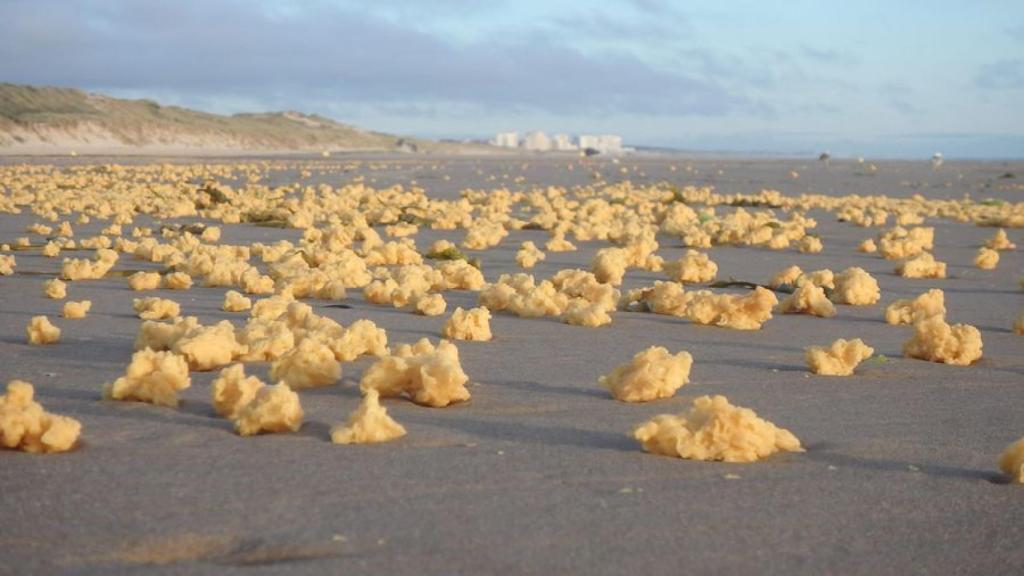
point(25, 426)
point(839, 359)
point(714, 429)
point(370, 423)
point(1012, 461)
point(76, 310)
point(986, 259)
point(931, 303)
point(232, 390)
point(274, 409)
point(937, 341)
point(41, 331)
point(429, 375)
point(472, 324)
point(652, 374)
point(154, 377)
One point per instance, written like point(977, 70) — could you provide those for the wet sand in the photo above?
point(536, 474)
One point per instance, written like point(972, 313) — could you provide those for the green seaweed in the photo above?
point(452, 253)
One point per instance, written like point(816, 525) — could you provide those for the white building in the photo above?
point(506, 139)
point(537, 141)
point(562, 142)
point(604, 143)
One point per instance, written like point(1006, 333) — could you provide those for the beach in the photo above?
point(538, 472)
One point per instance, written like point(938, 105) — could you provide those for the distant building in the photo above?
point(506, 139)
point(562, 142)
point(604, 143)
point(537, 141)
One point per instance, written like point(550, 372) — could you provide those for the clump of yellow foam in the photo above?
point(1000, 241)
point(26, 426)
point(609, 265)
point(153, 308)
point(922, 266)
point(746, 312)
point(931, 303)
point(40, 331)
point(55, 289)
point(558, 243)
point(714, 429)
point(154, 377)
point(310, 364)
point(901, 243)
point(854, 286)
point(693, 267)
point(76, 310)
point(528, 255)
point(209, 347)
point(652, 374)
point(82, 269)
point(472, 324)
point(370, 423)
point(177, 281)
point(274, 409)
point(234, 301)
point(429, 375)
point(1011, 462)
point(786, 276)
point(838, 359)
point(144, 281)
point(937, 341)
point(7, 264)
point(232, 390)
point(808, 299)
point(986, 259)
point(810, 244)
point(581, 312)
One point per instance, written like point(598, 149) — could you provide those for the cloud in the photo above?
point(824, 55)
point(328, 53)
point(1001, 75)
point(899, 97)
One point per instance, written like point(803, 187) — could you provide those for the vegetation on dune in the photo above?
point(48, 112)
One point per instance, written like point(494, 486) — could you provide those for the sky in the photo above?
point(863, 78)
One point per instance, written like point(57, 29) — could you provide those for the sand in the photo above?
point(536, 474)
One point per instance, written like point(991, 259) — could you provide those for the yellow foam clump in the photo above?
point(153, 308)
point(274, 409)
point(370, 423)
point(838, 359)
point(154, 377)
point(55, 289)
point(1011, 462)
point(651, 374)
point(232, 390)
point(986, 259)
point(310, 364)
point(26, 426)
point(808, 299)
point(936, 341)
point(40, 331)
point(714, 429)
point(428, 375)
point(931, 303)
point(144, 281)
point(746, 312)
point(76, 310)
point(472, 324)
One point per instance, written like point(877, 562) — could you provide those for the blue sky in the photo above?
point(857, 78)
